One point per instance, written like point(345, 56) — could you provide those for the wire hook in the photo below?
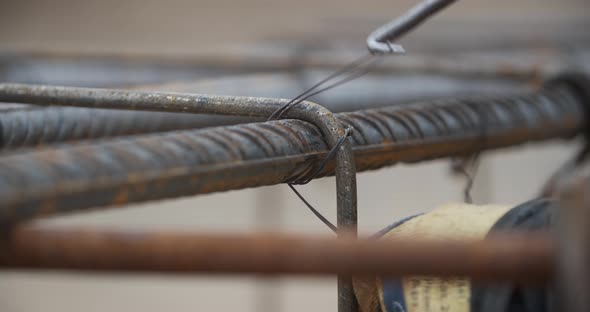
point(380, 40)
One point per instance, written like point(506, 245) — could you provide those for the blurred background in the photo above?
point(278, 48)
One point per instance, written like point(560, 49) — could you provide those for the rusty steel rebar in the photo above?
point(156, 166)
point(524, 258)
point(29, 125)
point(35, 126)
point(556, 111)
point(194, 103)
point(331, 129)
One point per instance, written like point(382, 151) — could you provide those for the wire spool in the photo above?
point(427, 293)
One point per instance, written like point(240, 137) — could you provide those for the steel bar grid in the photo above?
point(120, 171)
point(170, 102)
point(141, 168)
point(346, 196)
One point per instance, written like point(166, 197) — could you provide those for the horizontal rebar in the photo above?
point(157, 166)
point(522, 258)
point(34, 126)
point(490, 58)
point(148, 101)
point(29, 125)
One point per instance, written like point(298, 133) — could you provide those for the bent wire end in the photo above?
point(380, 40)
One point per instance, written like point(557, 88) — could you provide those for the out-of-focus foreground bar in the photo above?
point(523, 258)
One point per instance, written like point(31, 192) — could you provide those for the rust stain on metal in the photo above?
point(525, 258)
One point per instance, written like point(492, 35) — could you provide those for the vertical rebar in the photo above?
point(573, 254)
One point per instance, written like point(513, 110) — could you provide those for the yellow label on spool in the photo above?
point(430, 294)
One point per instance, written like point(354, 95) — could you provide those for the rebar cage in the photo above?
point(72, 148)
